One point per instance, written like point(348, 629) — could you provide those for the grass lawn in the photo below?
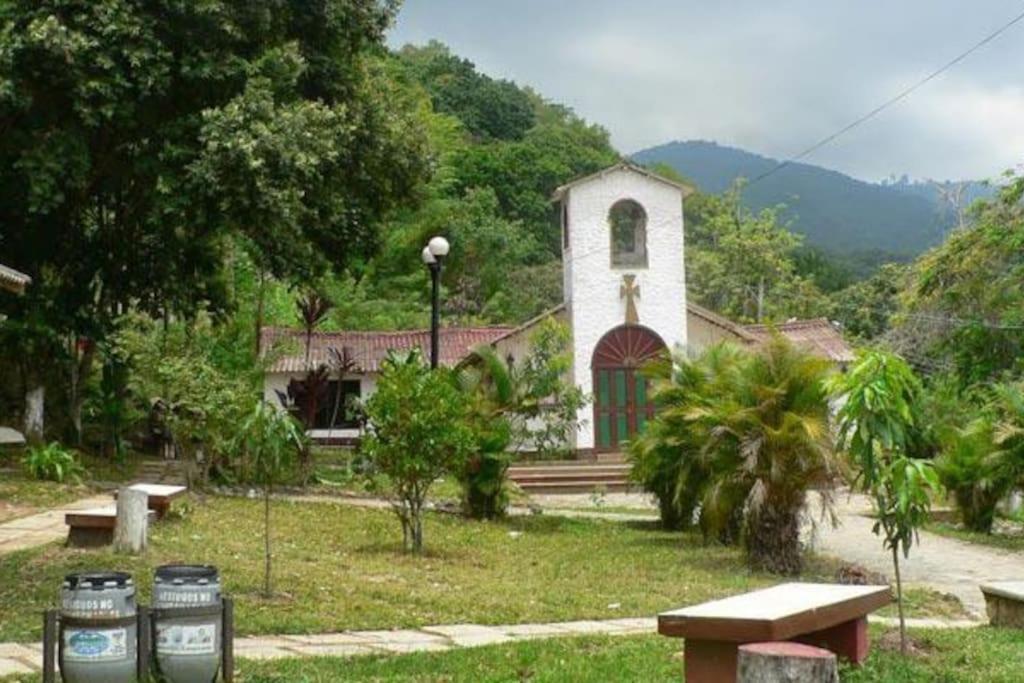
point(1005, 541)
point(981, 654)
point(341, 568)
point(950, 656)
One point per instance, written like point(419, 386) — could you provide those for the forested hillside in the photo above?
point(835, 212)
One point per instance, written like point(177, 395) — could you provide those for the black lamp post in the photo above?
point(433, 255)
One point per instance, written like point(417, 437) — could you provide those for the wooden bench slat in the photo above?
point(777, 613)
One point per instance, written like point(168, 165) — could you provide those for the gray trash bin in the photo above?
point(98, 628)
point(188, 623)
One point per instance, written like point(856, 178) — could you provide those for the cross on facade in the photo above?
point(630, 291)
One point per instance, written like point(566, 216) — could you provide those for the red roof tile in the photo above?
point(369, 348)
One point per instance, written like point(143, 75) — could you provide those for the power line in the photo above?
point(891, 101)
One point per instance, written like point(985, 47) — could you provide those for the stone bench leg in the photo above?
point(849, 640)
point(709, 661)
point(89, 537)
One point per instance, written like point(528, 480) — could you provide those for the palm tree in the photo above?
point(769, 443)
point(498, 400)
point(666, 456)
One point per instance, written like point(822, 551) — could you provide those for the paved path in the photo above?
point(943, 564)
point(18, 658)
point(44, 527)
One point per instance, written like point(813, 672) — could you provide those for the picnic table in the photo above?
point(160, 496)
point(831, 616)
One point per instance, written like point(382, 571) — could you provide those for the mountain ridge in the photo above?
point(834, 211)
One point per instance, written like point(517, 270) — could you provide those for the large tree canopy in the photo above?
point(135, 137)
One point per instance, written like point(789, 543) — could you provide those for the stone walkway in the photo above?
point(943, 564)
point(16, 658)
point(44, 527)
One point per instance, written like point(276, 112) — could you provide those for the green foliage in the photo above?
point(53, 463)
point(488, 108)
point(973, 280)
point(196, 400)
point(143, 143)
point(418, 432)
point(865, 309)
point(879, 428)
point(743, 264)
point(516, 406)
point(746, 435)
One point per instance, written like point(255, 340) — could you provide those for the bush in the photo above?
point(53, 463)
point(418, 431)
point(983, 461)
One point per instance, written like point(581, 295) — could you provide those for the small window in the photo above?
point(339, 405)
point(628, 223)
point(565, 223)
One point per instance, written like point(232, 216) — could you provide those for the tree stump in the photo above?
point(132, 521)
point(785, 663)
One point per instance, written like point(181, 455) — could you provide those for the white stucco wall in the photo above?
point(592, 284)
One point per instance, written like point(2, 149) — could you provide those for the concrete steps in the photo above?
point(161, 472)
point(573, 476)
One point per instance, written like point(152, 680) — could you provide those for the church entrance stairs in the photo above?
point(609, 472)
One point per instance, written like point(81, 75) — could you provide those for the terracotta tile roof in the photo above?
point(13, 280)
point(368, 349)
point(818, 336)
point(721, 321)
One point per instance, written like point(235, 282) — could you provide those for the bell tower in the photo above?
point(625, 292)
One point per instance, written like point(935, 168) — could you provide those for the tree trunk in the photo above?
point(35, 402)
point(772, 539)
point(760, 299)
point(260, 296)
point(785, 662)
point(266, 542)
point(132, 521)
point(899, 598)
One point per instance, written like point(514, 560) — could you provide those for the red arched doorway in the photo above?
point(621, 402)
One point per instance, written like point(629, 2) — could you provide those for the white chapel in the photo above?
point(624, 301)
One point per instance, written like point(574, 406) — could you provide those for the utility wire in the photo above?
point(891, 101)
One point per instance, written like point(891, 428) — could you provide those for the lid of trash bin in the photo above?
point(98, 580)
point(186, 573)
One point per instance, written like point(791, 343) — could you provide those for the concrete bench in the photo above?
point(93, 527)
point(160, 496)
point(830, 616)
point(1004, 602)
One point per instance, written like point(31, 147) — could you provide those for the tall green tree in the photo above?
point(135, 139)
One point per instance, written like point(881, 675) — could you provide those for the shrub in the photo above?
point(53, 463)
point(417, 432)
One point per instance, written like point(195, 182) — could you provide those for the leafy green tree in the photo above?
point(879, 429)
point(966, 295)
point(743, 264)
point(417, 432)
point(489, 108)
point(865, 309)
point(138, 138)
point(272, 439)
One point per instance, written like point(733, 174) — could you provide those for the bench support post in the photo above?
point(709, 660)
point(849, 640)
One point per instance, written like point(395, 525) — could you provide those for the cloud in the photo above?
point(770, 77)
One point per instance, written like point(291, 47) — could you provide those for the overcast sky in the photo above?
point(770, 77)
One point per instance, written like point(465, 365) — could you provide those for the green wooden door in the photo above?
point(622, 407)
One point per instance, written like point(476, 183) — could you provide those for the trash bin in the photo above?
point(98, 628)
point(188, 623)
